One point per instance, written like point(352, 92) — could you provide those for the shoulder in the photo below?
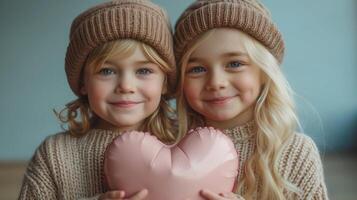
point(300, 163)
point(48, 146)
point(300, 144)
point(57, 147)
point(56, 141)
point(53, 151)
point(42, 168)
point(63, 147)
point(298, 150)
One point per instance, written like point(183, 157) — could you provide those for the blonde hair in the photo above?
point(77, 114)
point(274, 115)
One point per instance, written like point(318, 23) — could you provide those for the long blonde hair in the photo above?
point(77, 114)
point(274, 115)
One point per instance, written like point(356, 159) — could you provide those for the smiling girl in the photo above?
point(230, 54)
point(120, 64)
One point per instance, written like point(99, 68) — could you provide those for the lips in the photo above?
point(125, 104)
point(219, 100)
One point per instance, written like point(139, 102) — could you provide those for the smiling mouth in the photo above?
point(220, 100)
point(125, 104)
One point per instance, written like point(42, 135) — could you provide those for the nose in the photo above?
point(125, 84)
point(217, 80)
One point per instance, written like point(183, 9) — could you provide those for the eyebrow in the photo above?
point(195, 59)
point(145, 62)
point(225, 55)
point(142, 62)
point(233, 54)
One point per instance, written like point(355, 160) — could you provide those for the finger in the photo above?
point(115, 194)
point(121, 194)
point(210, 195)
point(140, 195)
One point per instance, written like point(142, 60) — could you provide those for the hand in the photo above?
point(213, 196)
point(120, 194)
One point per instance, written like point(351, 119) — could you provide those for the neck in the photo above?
point(239, 120)
point(102, 124)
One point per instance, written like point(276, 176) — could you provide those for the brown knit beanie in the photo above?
point(140, 20)
point(249, 16)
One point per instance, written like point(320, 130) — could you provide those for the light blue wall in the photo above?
point(320, 63)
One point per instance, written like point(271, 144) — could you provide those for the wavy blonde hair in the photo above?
point(275, 118)
point(78, 116)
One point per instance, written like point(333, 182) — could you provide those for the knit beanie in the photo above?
point(249, 16)
point(140, 20)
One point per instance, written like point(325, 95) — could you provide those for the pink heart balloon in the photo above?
point(204, 159)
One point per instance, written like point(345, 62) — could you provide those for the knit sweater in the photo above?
point(299, 163)
point(66, 167)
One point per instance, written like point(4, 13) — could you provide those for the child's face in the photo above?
point(220, 82)
point(124, 91)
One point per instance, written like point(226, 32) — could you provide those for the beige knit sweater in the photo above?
point(299, 162)
point(64, 167)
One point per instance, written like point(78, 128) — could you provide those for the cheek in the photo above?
point(249, 88)
point(97, 91)
point(191, 91)
point(153, 89)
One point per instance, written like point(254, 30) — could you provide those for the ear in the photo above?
point(83, 90)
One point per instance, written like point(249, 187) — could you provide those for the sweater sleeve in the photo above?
point(301, 165)
point(38, 181)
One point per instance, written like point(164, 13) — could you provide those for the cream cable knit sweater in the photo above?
point(300, 162)
point(64, 167)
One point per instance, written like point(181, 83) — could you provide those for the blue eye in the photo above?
point(196, 70)
point(234, 64)
point(144, 71)
point(106, 71)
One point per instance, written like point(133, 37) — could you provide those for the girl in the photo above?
point(120, 64)
point(229, 54)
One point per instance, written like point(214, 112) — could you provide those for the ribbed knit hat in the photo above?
point(140, 20)
point(249, 16)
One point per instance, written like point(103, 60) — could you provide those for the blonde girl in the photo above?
point(120, 64)
point(229, 55)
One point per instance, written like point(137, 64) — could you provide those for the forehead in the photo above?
point(220, 41)
point(119, 55)
point(130, 54)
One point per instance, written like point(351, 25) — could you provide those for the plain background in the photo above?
point(320, 64)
